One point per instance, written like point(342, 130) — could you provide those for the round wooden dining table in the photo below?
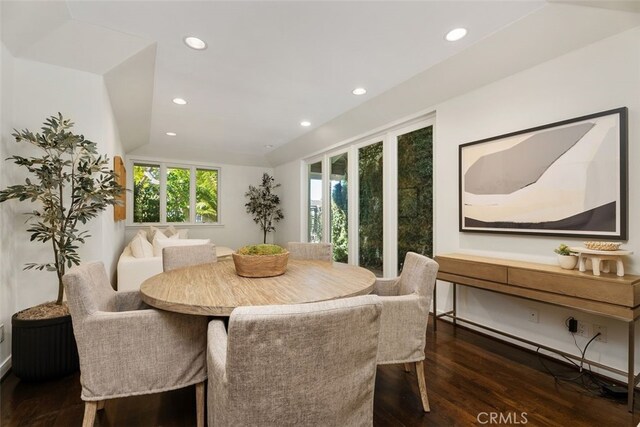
point(215, 289)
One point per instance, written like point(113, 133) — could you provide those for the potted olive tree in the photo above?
point(263, 204)
point(69, 184)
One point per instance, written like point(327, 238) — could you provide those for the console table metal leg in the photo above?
point(455, 305)
point(631, 376)
point(435, 308)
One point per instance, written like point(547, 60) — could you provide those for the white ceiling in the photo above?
point(268, 65)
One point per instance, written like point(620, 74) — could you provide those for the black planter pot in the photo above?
point(43, 349)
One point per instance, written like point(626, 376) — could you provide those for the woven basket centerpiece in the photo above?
point(260, 261)
point(602, 246)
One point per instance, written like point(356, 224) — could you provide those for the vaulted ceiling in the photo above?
point(267, 67)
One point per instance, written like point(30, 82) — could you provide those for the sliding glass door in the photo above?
point(379, 195)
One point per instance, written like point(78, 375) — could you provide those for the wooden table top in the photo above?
point(215, 289)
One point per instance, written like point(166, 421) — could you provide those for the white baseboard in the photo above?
point(5, 366)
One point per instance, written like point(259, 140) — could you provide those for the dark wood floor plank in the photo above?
point(468, 374)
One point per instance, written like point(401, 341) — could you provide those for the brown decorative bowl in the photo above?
point(260, 265)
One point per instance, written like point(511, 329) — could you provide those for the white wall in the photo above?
point(600, 76)
point(7, 253)
point(237, 227)
point(290, 194)
point(39, 91)
point(112, 232)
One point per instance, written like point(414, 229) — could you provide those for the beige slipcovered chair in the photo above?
point(185, 256)
point(403, 328)
point(127, 349)
point(294, 365)
point(319, 251)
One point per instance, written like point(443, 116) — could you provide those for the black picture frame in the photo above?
point(568, 178)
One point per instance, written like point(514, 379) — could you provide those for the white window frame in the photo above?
point(327, 186)
point(164, 165)
point(389, 137)
point(304, 216)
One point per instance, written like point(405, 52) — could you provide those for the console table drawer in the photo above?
point(478, 270)
point(575, 285)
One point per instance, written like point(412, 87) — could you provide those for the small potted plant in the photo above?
point(566, 259)
point(261, 260)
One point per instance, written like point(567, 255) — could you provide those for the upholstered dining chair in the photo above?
point(403, 327)
point(295, 365)
point(318, 251)
point(185, 256)
point(127, 349)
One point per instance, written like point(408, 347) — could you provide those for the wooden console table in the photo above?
point(605, 295)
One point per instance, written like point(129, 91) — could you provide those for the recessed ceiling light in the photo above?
point(179, 101)
point(171, 133)
point(305, 123)
point(359, 91)
point(456, 34)
point(268, 146)
point(195, 43)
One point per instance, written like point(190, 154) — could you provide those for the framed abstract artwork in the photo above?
point(563, 179)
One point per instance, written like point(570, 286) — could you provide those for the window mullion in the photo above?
point(163, 193)
point(390, 205)
point(326, 199)
point(192, 195)
point(353, 208)
point(219, 192)
point(305, 199)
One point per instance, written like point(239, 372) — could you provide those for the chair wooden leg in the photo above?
point(89, 414)
point(422, 386)
point(200, 404)
point(100, 406)
point(407, 367)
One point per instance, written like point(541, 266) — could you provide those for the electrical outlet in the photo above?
point(603, 332)
point(533, 315)
point(583, 329)
point(2, 332)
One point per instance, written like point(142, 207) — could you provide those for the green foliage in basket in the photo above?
point(261, 249)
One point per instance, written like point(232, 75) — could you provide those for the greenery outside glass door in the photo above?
point(370, 224)
point(415, 193)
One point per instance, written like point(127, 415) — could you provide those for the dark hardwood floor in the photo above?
point(469, 377)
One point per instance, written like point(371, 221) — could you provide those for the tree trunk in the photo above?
point(60, 290)
point(265, 237)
